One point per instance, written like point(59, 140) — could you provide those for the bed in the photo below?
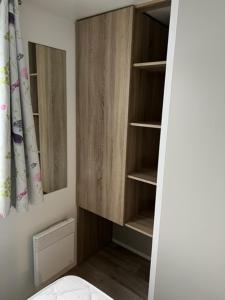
point(70, 288)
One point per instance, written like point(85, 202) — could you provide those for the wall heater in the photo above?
point(53, 251)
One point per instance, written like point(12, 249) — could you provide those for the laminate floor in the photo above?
point(117, 272)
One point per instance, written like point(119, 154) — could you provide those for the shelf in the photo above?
point(156, 125)
point(33, 74)
point(142, 223)
point(157, 66)
point(147, 175)
point(35, 114)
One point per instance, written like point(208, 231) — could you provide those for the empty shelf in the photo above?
point(142, 223)
point(158, 66)
point(33, 74)
point(35, 114)
point(156, 125)
point(148, 176)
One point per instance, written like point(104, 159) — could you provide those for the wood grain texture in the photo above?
point(51, 69)
point(32, 58)
point(143, 149)
point(34, 93)
point(146, 175)
point(145, 111)
point(158, 66)
point(146, 99)
point(104, 45)
point(156, 125)
point(140, 197)
point(143, 222)
point(147, 88)
point(116, 271)
point(37, 126)
point(150, 39)
point(93, 233)
point(153, 4)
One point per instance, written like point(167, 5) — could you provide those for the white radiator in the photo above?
point(53, 251)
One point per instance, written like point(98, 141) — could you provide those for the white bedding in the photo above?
point(70, 288)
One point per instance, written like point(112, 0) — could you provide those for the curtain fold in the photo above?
point(20, 179)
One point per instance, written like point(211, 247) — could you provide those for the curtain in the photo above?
point(20, 179)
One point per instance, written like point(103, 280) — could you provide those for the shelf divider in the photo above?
point(156, 125)
point(146, 175)
point(142, 223)
point(156, 66)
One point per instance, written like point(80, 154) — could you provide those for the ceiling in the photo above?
point(77, 9)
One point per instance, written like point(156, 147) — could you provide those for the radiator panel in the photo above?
point(53, 251)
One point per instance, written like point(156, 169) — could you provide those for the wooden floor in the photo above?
point(117, 272)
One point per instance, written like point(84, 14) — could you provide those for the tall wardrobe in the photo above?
point(121, 64)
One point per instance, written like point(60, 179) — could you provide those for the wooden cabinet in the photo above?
point(145, 114)
point(104, 49)
point(121, 67)
point(121, 64)
point(48, 93)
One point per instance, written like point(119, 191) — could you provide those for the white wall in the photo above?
point(16, 268)
point(190, 261)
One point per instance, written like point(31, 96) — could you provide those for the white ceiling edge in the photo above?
point(78, 9)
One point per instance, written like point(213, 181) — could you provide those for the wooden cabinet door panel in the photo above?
point(104, 45)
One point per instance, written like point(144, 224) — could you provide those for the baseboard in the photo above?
point(131, 249)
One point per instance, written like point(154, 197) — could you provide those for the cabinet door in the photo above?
point(104, 45)
point(51, 69)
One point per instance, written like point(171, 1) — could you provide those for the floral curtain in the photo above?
point(20, 180)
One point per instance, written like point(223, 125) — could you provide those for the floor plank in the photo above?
point(117, 272)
